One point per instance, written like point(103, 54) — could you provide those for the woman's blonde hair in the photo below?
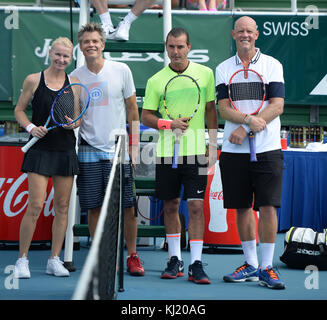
point(62, 41)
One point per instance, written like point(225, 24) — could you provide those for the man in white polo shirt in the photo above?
point(241, 178)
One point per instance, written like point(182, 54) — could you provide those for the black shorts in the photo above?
point(191, 174)
point(241, 179)
point(50, 163)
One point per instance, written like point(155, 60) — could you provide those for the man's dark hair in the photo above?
point(177, 32)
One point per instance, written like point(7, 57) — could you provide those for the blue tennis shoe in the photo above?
point(269, 278)
point(243, 273)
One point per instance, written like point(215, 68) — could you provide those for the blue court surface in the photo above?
point(300, 285)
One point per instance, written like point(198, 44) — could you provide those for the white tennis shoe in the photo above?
point(110, 31)
point(122, 31)
point(22, 270)
point(56, 268)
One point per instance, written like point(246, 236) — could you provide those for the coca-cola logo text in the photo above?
point(216, 195)
point(14, 197)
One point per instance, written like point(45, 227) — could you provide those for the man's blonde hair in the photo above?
point(91, 27)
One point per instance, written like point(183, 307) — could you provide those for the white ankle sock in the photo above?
point(130, 17)
point(250, 252)
point(174, 245)
point(267, 254)
point(106, 20)
point(196, 250)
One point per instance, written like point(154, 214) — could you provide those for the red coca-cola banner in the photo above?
point(14, 198)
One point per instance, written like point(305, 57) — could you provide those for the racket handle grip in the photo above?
point(30, 144)
point(253, 156)
point(175, 157)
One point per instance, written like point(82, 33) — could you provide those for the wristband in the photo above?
point(133, 139)
point(164, 124)
point(30, 127)
point(245, 118)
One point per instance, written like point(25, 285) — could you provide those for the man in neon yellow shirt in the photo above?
point(192, 154)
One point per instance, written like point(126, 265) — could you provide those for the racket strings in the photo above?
point(181, 98)
point(68, 106)
point(247, 91)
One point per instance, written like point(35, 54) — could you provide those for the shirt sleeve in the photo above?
point(151, 98)
point(276, 87)
point(221, 87)
point(211, 95)
point(129, 87)
point(74, 73)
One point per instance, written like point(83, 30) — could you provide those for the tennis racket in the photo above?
point(181, 100)
point(68, 106)
point(247, 93)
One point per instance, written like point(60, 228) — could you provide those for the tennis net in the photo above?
point(104, 262)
